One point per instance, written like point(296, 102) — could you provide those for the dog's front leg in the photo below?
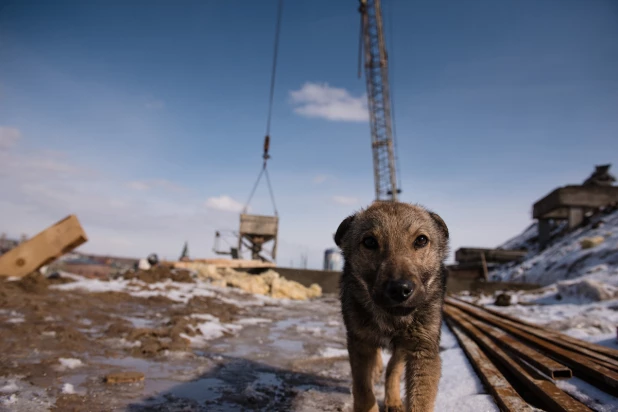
point(422, 378)
point(362, 362)
point(394, 370)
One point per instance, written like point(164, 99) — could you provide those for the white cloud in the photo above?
point(155, 104)
point(224, 203)
point(319, 100)
point(8, 137)
point(345, 200)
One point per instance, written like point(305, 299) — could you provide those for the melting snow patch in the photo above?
point(253, 321)
point(313, 330)
point(69, 363)
point(240, 303)
point(68, 389)
point(9, 387)
point(94, 285)
point(123, 343)
point(211, 329)
point(333, 353)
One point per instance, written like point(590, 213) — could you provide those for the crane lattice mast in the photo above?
point(378, 96)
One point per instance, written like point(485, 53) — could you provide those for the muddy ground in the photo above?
point(198, 349)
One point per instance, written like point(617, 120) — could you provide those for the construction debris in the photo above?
point(42, 249)
point(269, 283)
point(221, 263)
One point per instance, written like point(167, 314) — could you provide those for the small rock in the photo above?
point(503, 300)
point(124, 377)
point(591, 242)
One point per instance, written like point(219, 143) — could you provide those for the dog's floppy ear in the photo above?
point(440, 223)
point(343, 229)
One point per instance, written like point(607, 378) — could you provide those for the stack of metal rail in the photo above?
point(520, 362)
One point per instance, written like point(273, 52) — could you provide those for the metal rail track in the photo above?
point(544, 364)
point(553, 398)
point(555, 335)
point(582, 365)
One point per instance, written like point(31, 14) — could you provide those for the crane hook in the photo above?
point(266, 156)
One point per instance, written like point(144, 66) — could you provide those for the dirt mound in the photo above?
point(35, 283)
point(161, 274)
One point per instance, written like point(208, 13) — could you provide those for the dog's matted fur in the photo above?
point(392, 291)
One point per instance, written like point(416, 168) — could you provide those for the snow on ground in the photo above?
point(177, 291)
point(333, 353)
point(69, 363)
point(580, 285)
point(565, 258)
point(460, 388)
point(212, 328)
point(68, 389)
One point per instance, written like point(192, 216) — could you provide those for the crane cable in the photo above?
point(391, 67)
point(266, 156)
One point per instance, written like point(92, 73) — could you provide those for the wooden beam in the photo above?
point(44, 248)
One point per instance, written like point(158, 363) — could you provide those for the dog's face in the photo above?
point(395, 251)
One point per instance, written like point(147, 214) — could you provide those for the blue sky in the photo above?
point(147, 119)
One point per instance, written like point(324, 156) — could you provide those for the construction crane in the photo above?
point(379, 100)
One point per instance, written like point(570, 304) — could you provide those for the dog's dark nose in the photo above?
point(399, 290)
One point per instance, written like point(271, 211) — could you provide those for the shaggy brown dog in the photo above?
point(392, 292)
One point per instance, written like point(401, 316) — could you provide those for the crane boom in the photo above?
point(379, 103)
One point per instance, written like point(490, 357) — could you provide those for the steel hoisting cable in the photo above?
point(270, 189)
point(266, 156)
point(391, 67)
point(274, 69)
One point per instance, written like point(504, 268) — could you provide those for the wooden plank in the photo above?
point(42, 249)
point(471, 254)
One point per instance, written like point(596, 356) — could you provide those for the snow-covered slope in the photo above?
point(565, 258)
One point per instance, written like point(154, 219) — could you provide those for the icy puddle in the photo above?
point(272, 364)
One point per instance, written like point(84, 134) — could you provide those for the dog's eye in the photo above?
point(421, 241)
point(370, 242)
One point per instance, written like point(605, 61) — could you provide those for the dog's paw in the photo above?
point(393, 408)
